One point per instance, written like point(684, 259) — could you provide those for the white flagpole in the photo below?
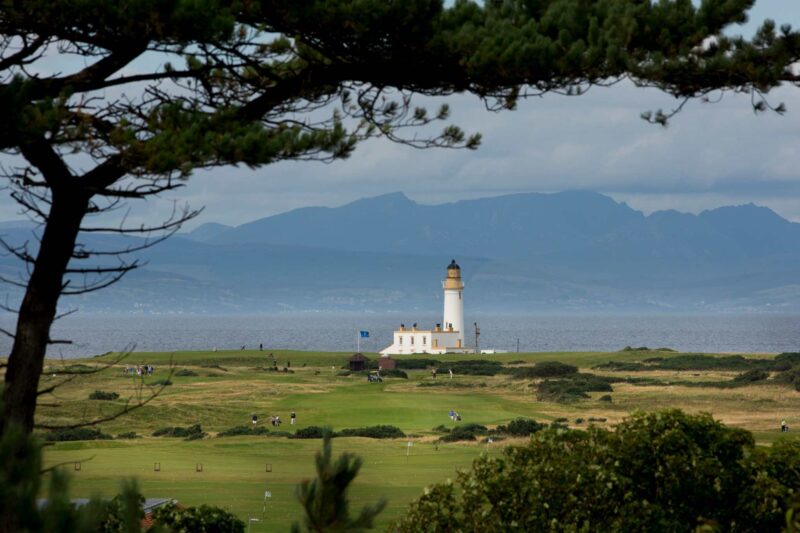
point(358, 341)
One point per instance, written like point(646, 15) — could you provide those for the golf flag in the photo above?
point(364, 334)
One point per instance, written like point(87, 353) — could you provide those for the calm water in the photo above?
point(95, 334)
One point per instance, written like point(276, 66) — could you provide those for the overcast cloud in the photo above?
point(710, 155)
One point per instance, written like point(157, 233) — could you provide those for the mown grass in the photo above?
point(233, 467)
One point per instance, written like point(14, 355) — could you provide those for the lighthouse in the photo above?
point(447, 337)
point(454, 301)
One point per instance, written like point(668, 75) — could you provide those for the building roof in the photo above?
point(453, 265)
point(358, 357)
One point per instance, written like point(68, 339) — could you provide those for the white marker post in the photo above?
point(408, 450)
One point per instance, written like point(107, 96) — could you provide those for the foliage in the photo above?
point(441, 428)
point(751, 376)
point(664, 471)
point(70, 434)
point(694, 362)
point(394, 373)
point(310, 432)
point(189, 433)
point(544, 369)
point(464, 432)
point(160, 383)
point(605, 398)
point(128, 435)
point(203, 519)
point(236, 431)
point(185, 372)
point(420, 363)
point(103, 395)
point(475, 367)
point(373, 432)
point(572, 388)
point(324, 499)
point(520, 427)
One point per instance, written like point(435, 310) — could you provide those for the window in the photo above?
point(459, 295)
point(424, 340)
point(412, 340)
point(400, 340)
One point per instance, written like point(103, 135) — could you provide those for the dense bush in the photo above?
point(161, 382)
point(572, 389)
point(474, 367)
point(544, 369)
point(664, 471)
point(188, 433)
point(128, 435)
point(394, 373)
point(751, 375)
point(103, 395)
point(185, 372)
point(465, 432)
point(203, 518)
point(373, 432)
point(441, 428)
point(606, 398)
point(520, 427)
point(622, 366)
point(417, 363)
point(236, 431)
point(450, 384)
point(310, 432)
point(790, 377)
point(60, 435)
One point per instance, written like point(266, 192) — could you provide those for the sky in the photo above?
point(710, 155)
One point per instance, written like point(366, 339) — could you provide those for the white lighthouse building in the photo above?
point(447, 337)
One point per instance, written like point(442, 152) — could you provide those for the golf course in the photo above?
point(223, 390)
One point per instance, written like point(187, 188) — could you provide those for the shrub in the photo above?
point(373, 432)
point(475, 367)
point(572, 389)
point(188, 433)
point(619, 366)
point(593, 419)
point(203, 518)
point(664, 471)
point(128, 435)
point(544, 369)
point(215, 366)
point(394, 373)
point(456, 434)
point(103, 395)
point(235, 431)
point(185, 372)
point(71, 434)
point(441, 428)
point(417, 363)
point(521, 427)
point(343, 373)
point(751, 375)
point(310, 432)
point(605, 398)
point(161, 382)
point(579, 420)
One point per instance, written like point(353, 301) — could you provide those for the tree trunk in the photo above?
point(38, 308)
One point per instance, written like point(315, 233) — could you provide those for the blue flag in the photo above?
point(364, 334)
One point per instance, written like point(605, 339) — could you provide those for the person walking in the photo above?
point(293, 417)
point(451, 373)
point(784, 427)
point(255, 419)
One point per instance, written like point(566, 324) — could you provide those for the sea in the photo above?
point(94, 334)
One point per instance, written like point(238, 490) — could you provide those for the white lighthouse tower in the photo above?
point(454, 301)
point(447, 337)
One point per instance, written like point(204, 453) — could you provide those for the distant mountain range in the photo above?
point(579, 251)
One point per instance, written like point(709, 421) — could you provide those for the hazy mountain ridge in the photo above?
point(572, 250)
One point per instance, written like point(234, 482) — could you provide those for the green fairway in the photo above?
point(220, 390)
point(234, 471)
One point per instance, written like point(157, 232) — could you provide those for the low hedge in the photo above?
point(188, 433)
point(236, 431)
point(520, 427)
point(373, 432)
point(465, 432)
point(544, 369)
point(64, 435)
point(417, 363)
point(184, 372)
point(103, 395)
